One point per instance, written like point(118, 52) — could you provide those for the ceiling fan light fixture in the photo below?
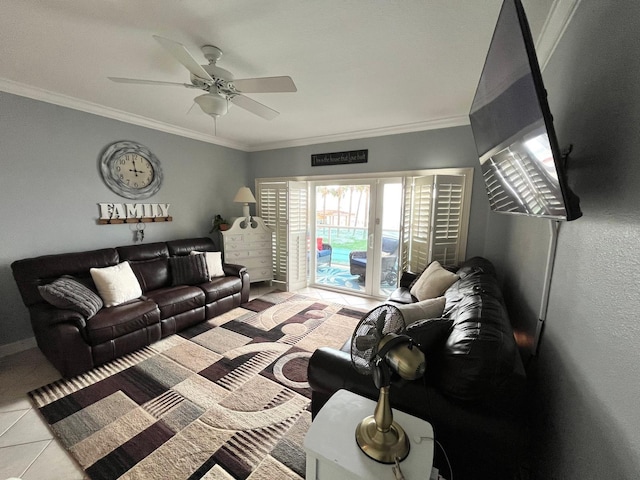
point(213, 104)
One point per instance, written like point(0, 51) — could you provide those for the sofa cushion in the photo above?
point(152, 274)
point(177, 299)
point(433, 282)
point(117, 284)
point(221, 287)
point(214, 263)
point(113, 322)
point(188, 270)
point(67, 293)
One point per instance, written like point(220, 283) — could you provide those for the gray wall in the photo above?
point(50, 188)
point(587, 422)
point(443, 148)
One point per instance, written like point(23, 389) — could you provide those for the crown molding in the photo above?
point(448, 122)
point(35, 93)
point(560, 15)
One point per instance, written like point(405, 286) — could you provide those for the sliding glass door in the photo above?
point(356, 234)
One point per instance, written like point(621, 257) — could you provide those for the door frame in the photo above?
point(468, 173)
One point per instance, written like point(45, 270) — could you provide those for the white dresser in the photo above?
point(249, 244)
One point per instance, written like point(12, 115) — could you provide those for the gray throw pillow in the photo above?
point(68, 293)
point(189, 270)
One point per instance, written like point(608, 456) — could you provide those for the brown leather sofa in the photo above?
point(75, 344)
point(474, 388)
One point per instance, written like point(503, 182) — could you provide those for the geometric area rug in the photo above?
point(225, 399)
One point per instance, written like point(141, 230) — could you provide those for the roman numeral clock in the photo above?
point(131, 170)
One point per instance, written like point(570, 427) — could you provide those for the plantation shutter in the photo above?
point(272, 208)
point(283, 207)
point(419, 199)
point(433, 226)
point(405, 226)
point(297, 236)
point(447, 219)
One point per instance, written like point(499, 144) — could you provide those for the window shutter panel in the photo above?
point(419, 229)
point(283, 207)
point(405, 228)
point(272, 208)
point(421, 223)
point(297, 236)
point(447, 218)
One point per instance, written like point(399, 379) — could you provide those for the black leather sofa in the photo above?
point(74, 343)
point(474, 387)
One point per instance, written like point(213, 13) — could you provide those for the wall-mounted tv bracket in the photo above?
point(565, 152)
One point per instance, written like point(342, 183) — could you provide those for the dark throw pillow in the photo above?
point(430, 334)
point(189, 270)
point(68, 293)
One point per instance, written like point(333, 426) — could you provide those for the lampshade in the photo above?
point(213, 104)
point(244, 195)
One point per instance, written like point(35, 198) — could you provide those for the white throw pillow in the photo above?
point(430, 308)
point(433, 282)
point(214, 263)
point(117, 284)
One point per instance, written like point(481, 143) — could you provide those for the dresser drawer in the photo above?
point(257, 262)
point(233, 238)
point(230, 256)
point(251, 246)
point(258, 274)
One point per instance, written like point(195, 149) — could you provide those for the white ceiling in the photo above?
point(362, 67)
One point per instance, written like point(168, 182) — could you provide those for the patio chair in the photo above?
point(324, 252)
point(389, 273)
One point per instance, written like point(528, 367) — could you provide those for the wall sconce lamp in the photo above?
point(245, 197)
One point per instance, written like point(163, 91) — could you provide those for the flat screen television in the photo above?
point(513, 129)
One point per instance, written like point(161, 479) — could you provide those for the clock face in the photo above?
point(134, 170)
point(131, 170)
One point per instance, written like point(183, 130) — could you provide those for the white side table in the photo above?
point(332, 451)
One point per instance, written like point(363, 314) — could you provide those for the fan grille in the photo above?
point(373, 326)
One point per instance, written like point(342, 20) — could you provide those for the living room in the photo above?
point(586, 368)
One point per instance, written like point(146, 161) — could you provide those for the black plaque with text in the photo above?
point(339, 158)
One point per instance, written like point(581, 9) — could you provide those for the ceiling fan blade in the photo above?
point(265, 85)
point(181, 54)
point(254, 107)
point(148, 82)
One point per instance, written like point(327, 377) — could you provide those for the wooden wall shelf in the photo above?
point(117, 221)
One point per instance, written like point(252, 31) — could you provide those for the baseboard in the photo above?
point(19, 346)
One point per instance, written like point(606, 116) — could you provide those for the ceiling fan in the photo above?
point(220, 85)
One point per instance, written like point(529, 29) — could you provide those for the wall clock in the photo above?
point(131, 170)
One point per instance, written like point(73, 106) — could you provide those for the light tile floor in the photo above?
point(27, 447)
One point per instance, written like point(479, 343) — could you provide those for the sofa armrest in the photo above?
point(233, 269)
point(407, 278)
point(240, 271)
point(330, 370)
point(402, 295)
point(45, 315)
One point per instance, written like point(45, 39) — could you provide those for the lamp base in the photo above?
point(245, 210)
point(383, 447)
